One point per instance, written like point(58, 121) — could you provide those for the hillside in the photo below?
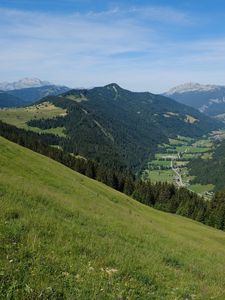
point(209, 99)
point(127, 127)
point(19, 116)
point(210, 170)
point(64, 235)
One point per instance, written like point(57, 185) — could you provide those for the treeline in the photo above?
point(118, 177)
point(47, 123)
point(162, 196)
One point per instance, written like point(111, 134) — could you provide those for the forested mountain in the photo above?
point(209, 99)
point(211, 170)
point(8, 100)
point(27, 96)
point(33, 94)
point(27, 91)
point(112, 124)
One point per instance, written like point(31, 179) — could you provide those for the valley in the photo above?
point(170, 163)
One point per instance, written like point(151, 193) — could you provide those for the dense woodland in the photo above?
point(162, 196)
point(126, 126)
point(212, 170)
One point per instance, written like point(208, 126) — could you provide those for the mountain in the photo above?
point(65, 236)
point(23, 83)
point(33, 94)
point(208, 99)
point(111, 124)
point(8, 100)
point(27, 96)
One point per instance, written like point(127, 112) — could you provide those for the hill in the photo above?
point(209, 99)
point(127, 127)
point(64, 235)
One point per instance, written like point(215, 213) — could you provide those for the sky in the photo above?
point(141, 45)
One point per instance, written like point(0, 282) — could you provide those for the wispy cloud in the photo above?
point(127, 45)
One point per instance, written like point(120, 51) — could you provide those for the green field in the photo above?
point(163, 163)
point(19, 116)
point(161, 175)
point(199, 188)
point(177, 142)
point(64, 236)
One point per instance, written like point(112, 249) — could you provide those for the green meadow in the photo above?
point(65, 236)
point(19, 116)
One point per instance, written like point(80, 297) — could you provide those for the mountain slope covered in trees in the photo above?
point(112, 124)
point(64, 236)
point(33, 94)
point(8, 100)
point(211, 170)
point(27, 96)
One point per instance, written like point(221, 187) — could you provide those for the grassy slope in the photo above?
point(64, 236)
point(19, 116)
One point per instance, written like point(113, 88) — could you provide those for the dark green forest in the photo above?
point(116, 126)
point(8, 100)
point(211, 170)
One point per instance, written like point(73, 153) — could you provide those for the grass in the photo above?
point(76, 98)
point(200, 189)
point(192, 149)
point(64, 236)
point(163, 163)
point(19, 116)
point(180, 163)
point(160, 156)
point(161, 175)
point(177, 142)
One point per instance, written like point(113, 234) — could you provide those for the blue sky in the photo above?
point(141, 45)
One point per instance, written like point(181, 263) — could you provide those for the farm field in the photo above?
point(170, 163)
point(19, 116)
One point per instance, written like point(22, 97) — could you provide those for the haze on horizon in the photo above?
point(141, 45)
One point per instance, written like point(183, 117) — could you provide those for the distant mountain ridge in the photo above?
point(23, 83)
point(8, 100)
point(27, 91)
point(33, 94)
point(208, 99)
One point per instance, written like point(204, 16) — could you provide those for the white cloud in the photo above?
point(97, 48)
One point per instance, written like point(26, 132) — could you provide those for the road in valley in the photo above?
point(178, 177)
